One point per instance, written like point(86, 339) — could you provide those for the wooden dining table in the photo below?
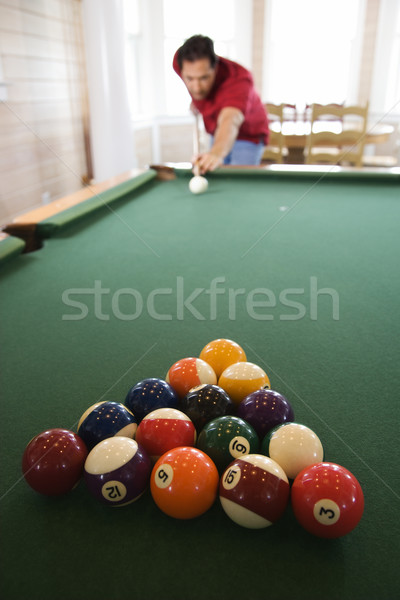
point(295, 134)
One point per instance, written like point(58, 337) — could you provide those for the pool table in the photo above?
point(300, 266)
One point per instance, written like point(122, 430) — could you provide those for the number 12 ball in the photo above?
point(117, 471)
point(327, 500)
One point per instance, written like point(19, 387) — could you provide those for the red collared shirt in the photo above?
point(233, 87)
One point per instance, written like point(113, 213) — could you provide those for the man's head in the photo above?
point(197, 62)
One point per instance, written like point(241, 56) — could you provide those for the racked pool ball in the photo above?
point(327, 500)
point(164, 429)
point(204, 403)
point(293, 446)
point(265, 409)
point(188, 373)
point(222, 353)
point(104, 420)
point(184, 483)
point(242, 378)
point(117, 471)
point(148, 395)
point(227, 438)
point(254, 491)
point(53, 461)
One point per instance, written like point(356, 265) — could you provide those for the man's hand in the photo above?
point(207, 162)
point(228, 125)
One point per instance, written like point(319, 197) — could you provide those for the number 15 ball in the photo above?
point(254, 491)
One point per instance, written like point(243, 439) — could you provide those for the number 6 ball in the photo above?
point(184, 483)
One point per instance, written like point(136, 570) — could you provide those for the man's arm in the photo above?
point(229, 121)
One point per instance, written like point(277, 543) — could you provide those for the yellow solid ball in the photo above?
point(222, 353)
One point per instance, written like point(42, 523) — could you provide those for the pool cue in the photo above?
point(196, 142)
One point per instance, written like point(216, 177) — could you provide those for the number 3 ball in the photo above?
point(254, 491)
point(117, 471)
point(327, 500)
point(184, 483)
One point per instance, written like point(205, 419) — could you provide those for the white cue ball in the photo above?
point(198, 184)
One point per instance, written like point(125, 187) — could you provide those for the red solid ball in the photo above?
point(53, 461)
point(327, 500)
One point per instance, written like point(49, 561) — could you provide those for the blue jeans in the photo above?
point(245, 153)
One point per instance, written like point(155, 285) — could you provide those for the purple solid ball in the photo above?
point(265, 409)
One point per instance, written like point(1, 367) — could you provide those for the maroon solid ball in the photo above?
point(53, 461)
point(265, 409)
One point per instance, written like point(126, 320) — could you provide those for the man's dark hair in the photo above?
point(195, 48)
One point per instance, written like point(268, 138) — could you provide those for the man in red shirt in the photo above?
point(223, 92)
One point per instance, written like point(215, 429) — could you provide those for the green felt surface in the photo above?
point(102, 200)
point(272, 240)
point(10, 247)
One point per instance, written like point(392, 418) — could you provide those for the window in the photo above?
point(133, 31)
point(312, 51)
point(385, 99)
point(154, 31)
point(181, 21)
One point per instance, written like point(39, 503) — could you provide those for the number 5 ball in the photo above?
point(327, 500)
point(184, 483)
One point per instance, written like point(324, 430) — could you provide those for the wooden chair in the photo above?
point(308, 111)
point(337, 134)
point(379, 160)
point(275, 151)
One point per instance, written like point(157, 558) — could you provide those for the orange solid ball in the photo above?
point(184, 483)
point(222, 353)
